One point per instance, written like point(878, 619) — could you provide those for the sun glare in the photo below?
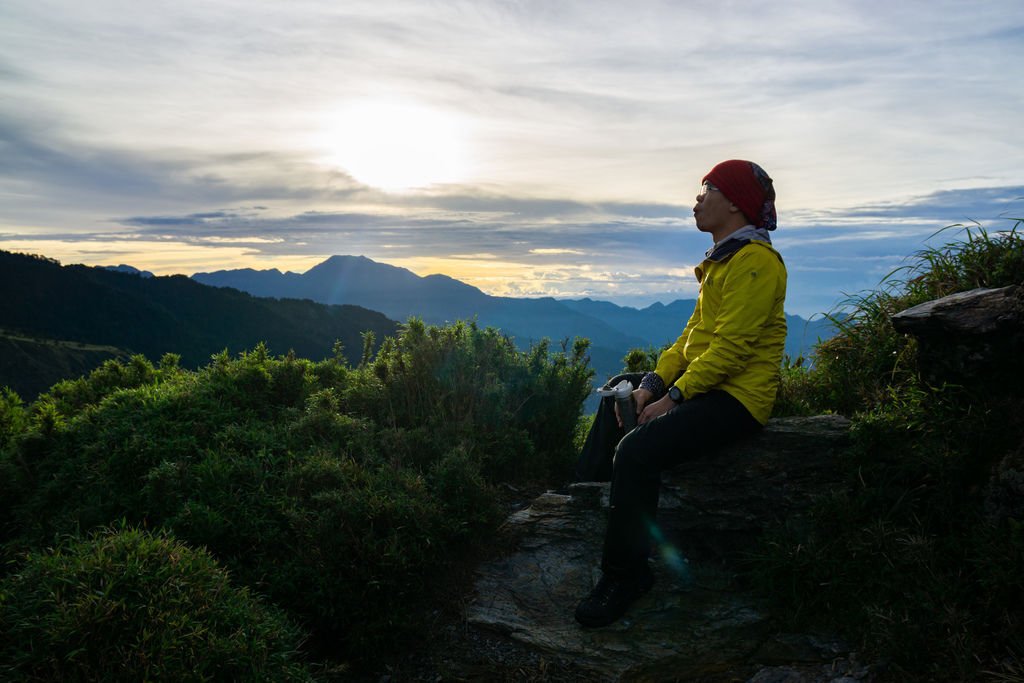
point(393, 145)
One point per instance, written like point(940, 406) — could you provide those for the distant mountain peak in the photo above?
point(131, 270)
point(356, 264)
point(343, 259)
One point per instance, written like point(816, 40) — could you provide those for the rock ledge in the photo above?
point(697, 623)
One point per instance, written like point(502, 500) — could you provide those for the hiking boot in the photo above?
point(610, 598)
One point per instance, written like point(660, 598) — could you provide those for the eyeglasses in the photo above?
point(705, 188)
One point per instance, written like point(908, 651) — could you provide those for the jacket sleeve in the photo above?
point(672, 363)
point(748, 298)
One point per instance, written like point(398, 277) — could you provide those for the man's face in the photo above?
point(712, 210)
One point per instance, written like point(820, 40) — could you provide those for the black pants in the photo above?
point(633, 463)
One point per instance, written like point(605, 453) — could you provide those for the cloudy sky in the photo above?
point(527, 147)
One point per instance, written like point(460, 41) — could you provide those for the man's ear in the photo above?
point(733, 208)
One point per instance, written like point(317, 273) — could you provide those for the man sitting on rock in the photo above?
point(716, 384)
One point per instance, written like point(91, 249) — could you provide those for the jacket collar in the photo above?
point(735, 241)
point(730, 245)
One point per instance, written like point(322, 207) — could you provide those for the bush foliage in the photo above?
point(335, 492)
point(905, 558)
point(127, 605)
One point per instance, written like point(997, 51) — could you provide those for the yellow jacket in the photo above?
point(735, 337)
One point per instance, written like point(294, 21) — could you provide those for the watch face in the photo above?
point(675, 394)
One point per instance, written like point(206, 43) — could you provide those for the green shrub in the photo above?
point(474, 389)
point(799, 391)
point(358, 545)
point(14, 420)
point(458, 483)
point(126, 605)
point(337, 492)
point(641, 360)
point(72, 395)
point(13, 417)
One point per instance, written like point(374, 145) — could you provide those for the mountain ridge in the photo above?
point(399, 294)
point(437, 299)
point(50, 302)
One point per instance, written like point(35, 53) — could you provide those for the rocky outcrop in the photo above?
point(971, 338)
point(974, 341)
point(699, 622)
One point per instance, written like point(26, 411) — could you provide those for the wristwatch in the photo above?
point(675, 394)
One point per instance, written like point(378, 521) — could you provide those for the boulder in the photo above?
point(973, 340)
point(699, 622)
point(970, 338)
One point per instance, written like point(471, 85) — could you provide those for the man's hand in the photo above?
point(640, 397)
point(656, 409)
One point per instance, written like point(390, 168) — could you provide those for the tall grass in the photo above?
point(979, 259)
point(867, 360)
point(905, 559)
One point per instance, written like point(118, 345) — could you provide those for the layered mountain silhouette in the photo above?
point(399, 294)
point(56, 320)
point(60, 321)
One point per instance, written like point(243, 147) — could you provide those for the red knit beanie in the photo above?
point(746, 185)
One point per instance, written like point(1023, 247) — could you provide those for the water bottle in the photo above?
point(623, 395)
